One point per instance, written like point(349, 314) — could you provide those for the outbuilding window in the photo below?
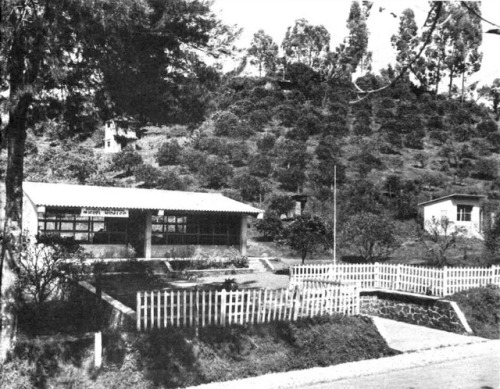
point(464, 213)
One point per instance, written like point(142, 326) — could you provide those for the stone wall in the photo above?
point(415, 309)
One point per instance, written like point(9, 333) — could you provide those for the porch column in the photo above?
point(243, 235)
point(147, 235)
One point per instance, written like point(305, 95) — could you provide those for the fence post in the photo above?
point(98, 349)
point(138, 310)
point(398, 277)
point(223, 300)
point(445, 281)
point(376, 275)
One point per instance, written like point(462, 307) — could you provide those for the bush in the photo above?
point(251, 188)
point(169, 179)
point(266, 143)
point(270, 226)
point(169, 153)
point(226, 124)
point(260, 166)
point(257, 119)
point(238, 153)
point(147, 174)
point(193, 159)
point(372, 236)
point(127, 159)
point(287, 114)
point(486, 127)
point(486, 169)
point(215, 173)
point(481, 307)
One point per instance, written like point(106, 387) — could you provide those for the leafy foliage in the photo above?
point(305, 234)
point(372, 236)
point(169, 153)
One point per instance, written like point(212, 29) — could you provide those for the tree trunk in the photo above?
point(15, 138)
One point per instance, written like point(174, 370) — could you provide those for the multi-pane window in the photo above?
point(90, 230)
point(464, 213)
point(196, 229)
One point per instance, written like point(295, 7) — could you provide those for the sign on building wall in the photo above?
point(93, 212)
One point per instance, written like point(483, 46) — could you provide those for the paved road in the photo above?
point(479, 372)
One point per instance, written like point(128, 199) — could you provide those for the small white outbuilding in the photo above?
point(463, 211)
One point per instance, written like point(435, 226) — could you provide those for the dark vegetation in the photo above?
point(481, 307)
point(180, 357)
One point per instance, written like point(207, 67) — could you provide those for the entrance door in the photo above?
point(136, 231)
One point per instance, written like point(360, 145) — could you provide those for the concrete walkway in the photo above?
point(408, 337)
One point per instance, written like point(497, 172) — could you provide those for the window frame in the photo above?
point(109, 230)
point(464, 213)
point(195, 229)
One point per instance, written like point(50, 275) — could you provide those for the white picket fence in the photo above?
point(415, 279)
point(168, 308)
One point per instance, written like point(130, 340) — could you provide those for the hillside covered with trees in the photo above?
point(412, 131)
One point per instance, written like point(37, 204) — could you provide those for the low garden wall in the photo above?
point(415, 309)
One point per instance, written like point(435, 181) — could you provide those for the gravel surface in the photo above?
point(295, 379)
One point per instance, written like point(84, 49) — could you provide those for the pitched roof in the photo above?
point(66, 195)
point(454, 196)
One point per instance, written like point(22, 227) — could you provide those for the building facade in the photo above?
point(108, 221)
point(461, 211)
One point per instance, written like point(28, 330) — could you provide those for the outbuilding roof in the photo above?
point(66, 195)
point(457, 196)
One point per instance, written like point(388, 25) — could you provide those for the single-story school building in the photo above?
point(105, 220)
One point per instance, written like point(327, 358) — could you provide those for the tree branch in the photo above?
point(438, 7)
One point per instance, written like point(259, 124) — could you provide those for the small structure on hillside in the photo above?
point(300, 201)
point(108, 220)
point(118, 134)
point(463, 211)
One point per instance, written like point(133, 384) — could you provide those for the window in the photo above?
point(464, 213)
point(196, 229)
point(86, 230)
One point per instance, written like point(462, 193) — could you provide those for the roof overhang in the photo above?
point(82, 196)
point(455, 196)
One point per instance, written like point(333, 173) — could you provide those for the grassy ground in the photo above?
point(182, 357)
point(481, 307)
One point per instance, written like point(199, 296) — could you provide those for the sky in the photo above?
point(275, 16)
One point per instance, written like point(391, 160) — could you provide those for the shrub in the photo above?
point(169, 153)
point(193, 159)
point(169, 179)
point(127, 159)
point(215, 173)
point(225, 124)
point(260, 166)
point(291, 179)
point(251, 188)
point(372, 236)
point(257, 119)
point(214, 146)
point(486, 169)
point(270, 226)
point(305, 234)
point(147, 174)
point(486, 127)
point(266, 143)
point(238, 153)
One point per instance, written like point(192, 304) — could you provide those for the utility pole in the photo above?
point(335, 214)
